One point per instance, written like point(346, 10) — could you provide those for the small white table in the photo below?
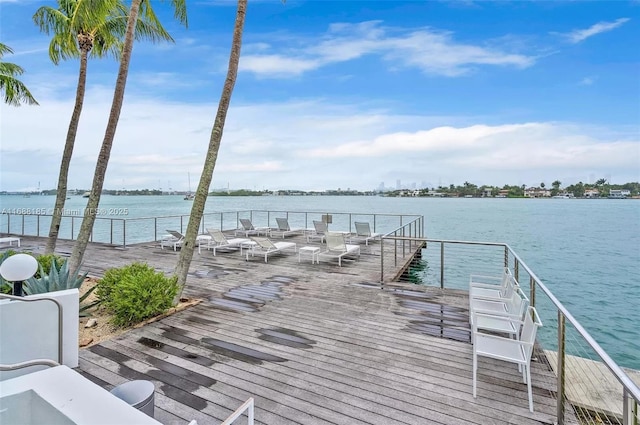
point(313, 251)
point(10, 240)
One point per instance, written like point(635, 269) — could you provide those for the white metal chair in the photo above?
point(320, 228)
point(266, 246)
point(219, 241)
point(337, 247)
point(492, 286)
point(363, 232)
point(174, 238)
point(284, 229)
point(516, 351)
point(511, 307)
point(248, 229)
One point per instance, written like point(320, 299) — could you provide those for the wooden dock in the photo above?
point(313, 344)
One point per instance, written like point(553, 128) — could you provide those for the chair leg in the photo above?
point(475, 371)
point(528, 367)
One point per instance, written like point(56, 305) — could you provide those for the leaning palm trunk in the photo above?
point(197, 210)
point(107, 142)
point(61, 192)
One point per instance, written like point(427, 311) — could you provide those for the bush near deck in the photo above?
point(136, 292)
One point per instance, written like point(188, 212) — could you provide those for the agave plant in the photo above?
point(59, 278)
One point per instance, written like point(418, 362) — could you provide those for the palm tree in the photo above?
point(83, 28)
point(186, 252)
point(138, 7)
point(13, 90)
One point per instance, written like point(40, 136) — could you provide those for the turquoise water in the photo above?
point(586, 251)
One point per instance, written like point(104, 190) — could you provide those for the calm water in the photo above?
point(586, 251)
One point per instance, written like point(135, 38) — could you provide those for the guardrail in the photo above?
point(586, 375)
point(128, 231)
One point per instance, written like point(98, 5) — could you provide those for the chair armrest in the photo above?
point(480, 336)
point(508, 318)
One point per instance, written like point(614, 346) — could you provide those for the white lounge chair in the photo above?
point(363, 233)
point(318, 232)
point(173, 238)
point(219, 241)
point(511, 350)
point(338, 248)
point(284, 229)
point(266, 246)
point(512, 307)
point(249, 230)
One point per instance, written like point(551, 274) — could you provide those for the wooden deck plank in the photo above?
point(368, 355)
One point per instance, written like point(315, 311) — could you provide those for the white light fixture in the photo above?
point(17, 269)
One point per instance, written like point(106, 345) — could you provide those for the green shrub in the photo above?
point(136, 292)
point(44, 263)
point(113, 276)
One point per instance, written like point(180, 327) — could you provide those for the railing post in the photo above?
point(71, 227)
point(626, 413)
point(181, 230)
point(395, 249)
point(23, 224)
point(8, 222)
point(124, 233)
point(381, 263)
point(560, 370)
point(441, 265)
point(155, 228)
point(532, 292)
point(38, 225)
point(506, 256)
point(222, 220)
point(111, 231)
point(516, 269)
point(404, 243)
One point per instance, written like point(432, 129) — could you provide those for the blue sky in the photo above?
point(337, 94)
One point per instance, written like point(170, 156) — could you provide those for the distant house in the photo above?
point(487, 192)
point(537, 192)
point(619, 193)
point(592, 193)
point(503, 193)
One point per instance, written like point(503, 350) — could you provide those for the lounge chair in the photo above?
point(284, 229)
point(363, 233)
point(266, 246)
point(338, 248)
point(219, 241)
point(173, 238)
point(320, 228)
point(249, 230)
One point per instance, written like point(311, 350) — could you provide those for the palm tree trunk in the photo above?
point(107, 142)
point(197, 210)
point(61, 192)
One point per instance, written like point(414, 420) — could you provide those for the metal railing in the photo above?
point(128, 231)
point(586, 374)
point(248, 406)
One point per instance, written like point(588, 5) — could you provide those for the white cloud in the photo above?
point(587, 81)
point(302, 144)
point(576, 36)
point(431, 51)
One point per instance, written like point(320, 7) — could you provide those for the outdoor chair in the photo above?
point(284, 229)
point(266, 246)
point(249, 230)
point(516, 351)
point(363, 233)
point(318, 232)
point(494, 287)
point(338, 248)
point(219, 241)
point(511, 308)
point(174, 239)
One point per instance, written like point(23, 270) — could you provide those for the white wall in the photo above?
point(29, 330)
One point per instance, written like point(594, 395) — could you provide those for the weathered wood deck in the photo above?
point(313, 344)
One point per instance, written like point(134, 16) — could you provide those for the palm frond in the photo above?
point(15, 92)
